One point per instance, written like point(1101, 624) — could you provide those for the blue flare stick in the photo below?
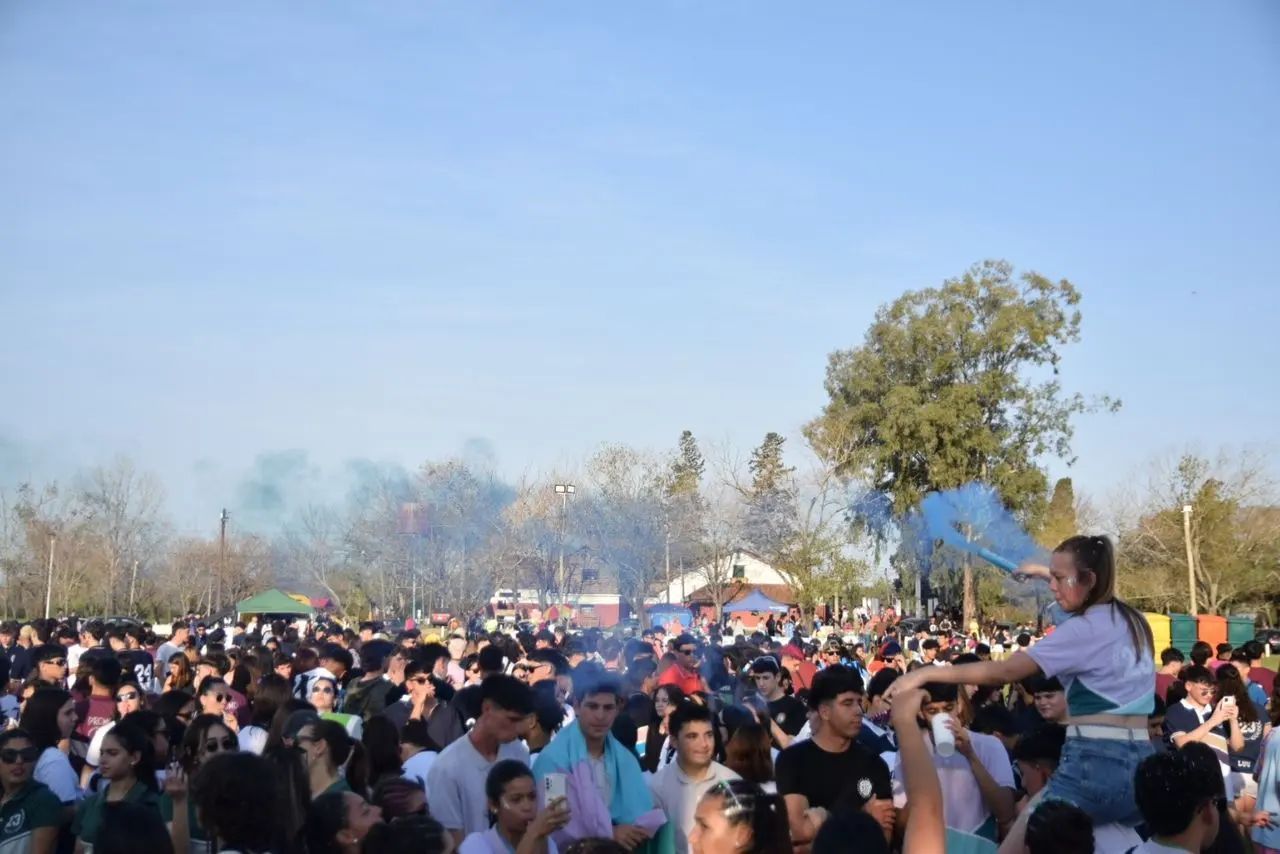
point(997, 560)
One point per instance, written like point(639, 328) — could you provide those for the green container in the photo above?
point(1183, 632)
point(1239, 630)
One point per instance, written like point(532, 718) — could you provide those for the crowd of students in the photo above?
point(271, 737)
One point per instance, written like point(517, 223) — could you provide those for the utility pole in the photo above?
point(222, 555)
point(1191, 561)
point(133, 583)
point(564, 490)
point(48, 591)
point(668, 564)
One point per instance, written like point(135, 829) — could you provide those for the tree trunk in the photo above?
point(968, 599)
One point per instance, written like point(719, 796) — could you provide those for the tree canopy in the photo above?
point(955, 384)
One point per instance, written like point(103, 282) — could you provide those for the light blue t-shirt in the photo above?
point(1267, 773)
point(1093, 657)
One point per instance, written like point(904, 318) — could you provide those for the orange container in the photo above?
point(1212, 629)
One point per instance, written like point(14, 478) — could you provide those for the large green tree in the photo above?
point(687, 467)
point(1060, 518)
point(955, 384)
point(769, 520)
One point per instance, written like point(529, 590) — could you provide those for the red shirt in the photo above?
point(802, 674)
point(238, 706)
point(690, 682)
point(1163, 683)
point(1264, 677)
point(94, 713)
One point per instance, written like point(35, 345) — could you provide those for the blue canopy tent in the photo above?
point(756, 601)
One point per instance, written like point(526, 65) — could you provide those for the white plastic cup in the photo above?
point(944, 740)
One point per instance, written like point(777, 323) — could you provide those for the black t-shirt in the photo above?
point(138, 664)
point(788, 713)
point(853, 777)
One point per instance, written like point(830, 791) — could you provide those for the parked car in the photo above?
point(1269, 637)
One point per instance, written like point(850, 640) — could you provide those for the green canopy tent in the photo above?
point(274, 602)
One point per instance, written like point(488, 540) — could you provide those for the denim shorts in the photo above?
point(1096, 774)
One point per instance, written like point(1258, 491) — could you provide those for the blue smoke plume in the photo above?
point(973, 519)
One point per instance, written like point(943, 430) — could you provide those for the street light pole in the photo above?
point(564, 490)
point(222, 554)
point(1191, 561)
point(668, 562)
point(48, 590)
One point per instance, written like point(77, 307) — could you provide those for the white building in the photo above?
point(743, 569)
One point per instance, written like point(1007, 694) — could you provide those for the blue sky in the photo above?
point(390, 231)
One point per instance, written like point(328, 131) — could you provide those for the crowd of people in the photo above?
point(312, 738)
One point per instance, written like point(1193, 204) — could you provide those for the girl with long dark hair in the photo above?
point(749, 753)
point(180, 676)
point(657, 746)
point(127, 764)
point(339, 821)
point(1102, 654)
point(206, 737)
point(273, 691)
point(49, 718)
point(329, 752)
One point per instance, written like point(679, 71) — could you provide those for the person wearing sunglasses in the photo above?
point(207, 736)
point(126, 699)
point(30, 814)
point(686, 673)
point(128, 765)
point(420, 702)
point(50, 663)
point(213, 698)
point(324, 696)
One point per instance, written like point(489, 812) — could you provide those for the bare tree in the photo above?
point(313, 551)
point(122, 507)
point(719, 546)
point(624, 519)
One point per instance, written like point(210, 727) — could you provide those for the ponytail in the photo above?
point(770, 830)
point(346, 753)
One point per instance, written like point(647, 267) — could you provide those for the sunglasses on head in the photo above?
point(10, 755)
point(213, 745)
point(127, 695)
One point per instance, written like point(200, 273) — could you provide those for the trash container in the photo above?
point(1182, 632)
point(1159, 624)
point(1212, 630)
point(1239, 630)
